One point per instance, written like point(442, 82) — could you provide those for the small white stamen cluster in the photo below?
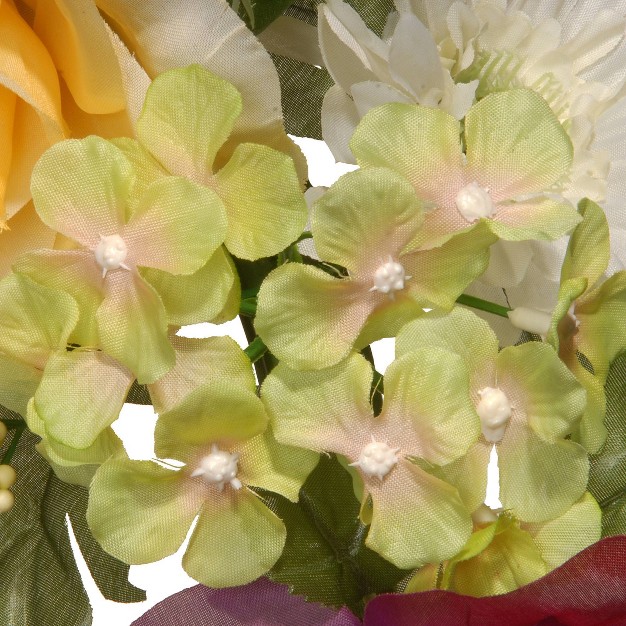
point(377, 459)
point(389, 277)
point(474, 202)
point(110, 253)
point(494, 410)
point(219, 468)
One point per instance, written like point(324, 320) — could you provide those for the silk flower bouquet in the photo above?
point(148, 184)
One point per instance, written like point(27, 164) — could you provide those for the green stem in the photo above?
point(10, 424)
point(256, 350)
point(8, 455)
point(483, 305)
point(307, 234)
point(248, 307)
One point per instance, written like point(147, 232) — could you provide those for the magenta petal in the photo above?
point(261, 603)
point(588, 590)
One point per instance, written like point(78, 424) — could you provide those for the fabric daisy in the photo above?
point(516, 153)
point(426, 418)
point(367, 222)
point(528, 403)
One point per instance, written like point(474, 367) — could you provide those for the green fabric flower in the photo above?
point(590, 318)
point(528, 402)
point(514, 154)
point(426, 418)
point(141, 511)
point(368, 223)
point(187, 117)
point(505, 553)
point(86, 190)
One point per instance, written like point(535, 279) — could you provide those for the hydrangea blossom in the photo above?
point(426, 418)
point(368, 223)
point(528, 403)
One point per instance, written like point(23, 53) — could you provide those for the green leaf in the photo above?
point(40, 581)
point(259, 14)
point(325, 558)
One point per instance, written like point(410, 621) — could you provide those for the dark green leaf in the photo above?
point(41, 585)
point(325, 558)
point(259, 14)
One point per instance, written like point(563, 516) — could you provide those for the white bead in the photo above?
point(7, 500)
point(389, 277)
point(7, 476)
point(377, 459)
point(485, 515)
point(110, 253)
point(530, 320)
point(474, 202)
point(219, 468)
point(494, 410)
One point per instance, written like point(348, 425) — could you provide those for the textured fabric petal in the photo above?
point(19, 383)
point(201, 361)
point(176, 226)
point(132, 325)
point(427, 407)
point(460, 331)
point(538, 480)
point(186, 132)
point(75, 272)
point(237, 539)
point(366, 217)
point(515, 144)
point(201, 296)
point(339, 121)
point(588, 250)
point(542, 218)
point(36, 320)
point(80, 188)
point(326, 410)
point(264, 204)
point(75, 35)
point(559, 335)
point(219, 411)
point(267, 464)
point(140, 512)
point(370, 94)
point(81, 393)
point(310, 319)
point(550, 395)
point(562, 538)
point(417, 518)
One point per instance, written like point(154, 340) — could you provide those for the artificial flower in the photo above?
point(516, 153)
point(85, 189)
point(426, 416)
point(505, 553)
point(367, 222)
point(528, 403)
point(258, 186)
point(141, 511)
point(403, 66)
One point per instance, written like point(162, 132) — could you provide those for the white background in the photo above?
point(136, 428)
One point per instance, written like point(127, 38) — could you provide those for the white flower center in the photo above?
point(377, 459)
point(389, 277)
point(474, 202)
point(219, 468)
point(494, 410)
point(110, 253)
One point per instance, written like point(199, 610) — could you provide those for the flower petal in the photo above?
point(309, 318)
point(427, 407)
point(176, 226)
point(364, 218)
point(19, 383)
point(538, 480)
point(515, 144)
point(265, 206)
point(80, 188)
point(81, 393)
point(417, 518)
point(132, 325)
point(324, 410)
point(201, 296)
point(140, 512)
point(185, 133)
point(237, 539)
point(339, 120)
